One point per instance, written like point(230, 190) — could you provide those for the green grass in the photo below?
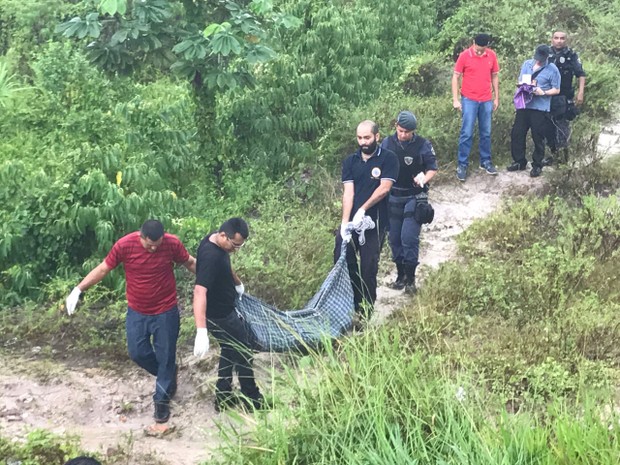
point(376, 399)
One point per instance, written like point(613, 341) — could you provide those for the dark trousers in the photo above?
point(363, 276)
point(404, 234)
point(232, 333)
point(152, 344)
point(537, 122)
point(558, 134)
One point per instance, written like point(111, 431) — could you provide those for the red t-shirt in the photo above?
point(477, 72)
point(151, 287)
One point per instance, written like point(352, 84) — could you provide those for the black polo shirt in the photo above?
point(366, 177)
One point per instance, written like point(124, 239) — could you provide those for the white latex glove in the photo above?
point(358, 218)
point(240, 288)
point(344, 233)
point(201, 343)
point(420, 179)
point(72, 300)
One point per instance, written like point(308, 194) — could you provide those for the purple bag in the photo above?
point(523, 95)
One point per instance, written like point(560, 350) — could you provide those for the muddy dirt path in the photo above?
point(457, 205)
point(108, 409)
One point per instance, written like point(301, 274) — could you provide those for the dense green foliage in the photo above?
point(533, 308)
point(344, 53)
point(86, 154)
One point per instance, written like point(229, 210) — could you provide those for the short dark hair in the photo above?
point(235, 225)
point(83, 460)
point(482, 40)
point(152, 229)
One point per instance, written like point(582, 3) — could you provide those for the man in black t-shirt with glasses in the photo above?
point(215, 293)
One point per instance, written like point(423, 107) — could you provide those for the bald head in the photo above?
point(368, 136)
point(368, 125)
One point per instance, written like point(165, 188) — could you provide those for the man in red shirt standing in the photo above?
point(478, 69)
point(153, 320)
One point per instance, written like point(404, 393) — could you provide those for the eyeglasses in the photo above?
point(234, 244)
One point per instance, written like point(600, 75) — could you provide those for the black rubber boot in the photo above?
point(410, 279)
point(400, 278)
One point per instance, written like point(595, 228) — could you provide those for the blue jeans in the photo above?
point(404, 230)
point(473, 111)
point(157, 356)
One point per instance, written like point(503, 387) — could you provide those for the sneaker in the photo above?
point(547, 161)
point(358, 324)
point(461, 172)
point(489, 168)
point(536, 171)
point(224, 400)
point(516, 166)
point(254, 402)
point(162, 412)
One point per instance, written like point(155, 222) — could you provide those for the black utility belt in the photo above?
point(398, 192)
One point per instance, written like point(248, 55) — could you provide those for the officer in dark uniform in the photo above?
point(367, 177)
point(418, 165)
point(569, 64)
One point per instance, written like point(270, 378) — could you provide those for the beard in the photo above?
point(369, 149)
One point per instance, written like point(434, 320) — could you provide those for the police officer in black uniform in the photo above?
point(569, 64)
point(418, 165)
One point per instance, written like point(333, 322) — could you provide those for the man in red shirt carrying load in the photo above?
point(153, 319)
point(478, 98)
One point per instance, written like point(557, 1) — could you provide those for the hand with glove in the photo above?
point(72, 300)
point(240, 288)
point(201, 343)
point(358, 218)
point(419, 179)
point(345, 233)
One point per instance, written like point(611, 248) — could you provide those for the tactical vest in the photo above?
point(566, 60)
point(410, 162)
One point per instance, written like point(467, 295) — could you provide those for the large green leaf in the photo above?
point(224, 43)
point(261, 7)
point(212, 29)
point(111, 7)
